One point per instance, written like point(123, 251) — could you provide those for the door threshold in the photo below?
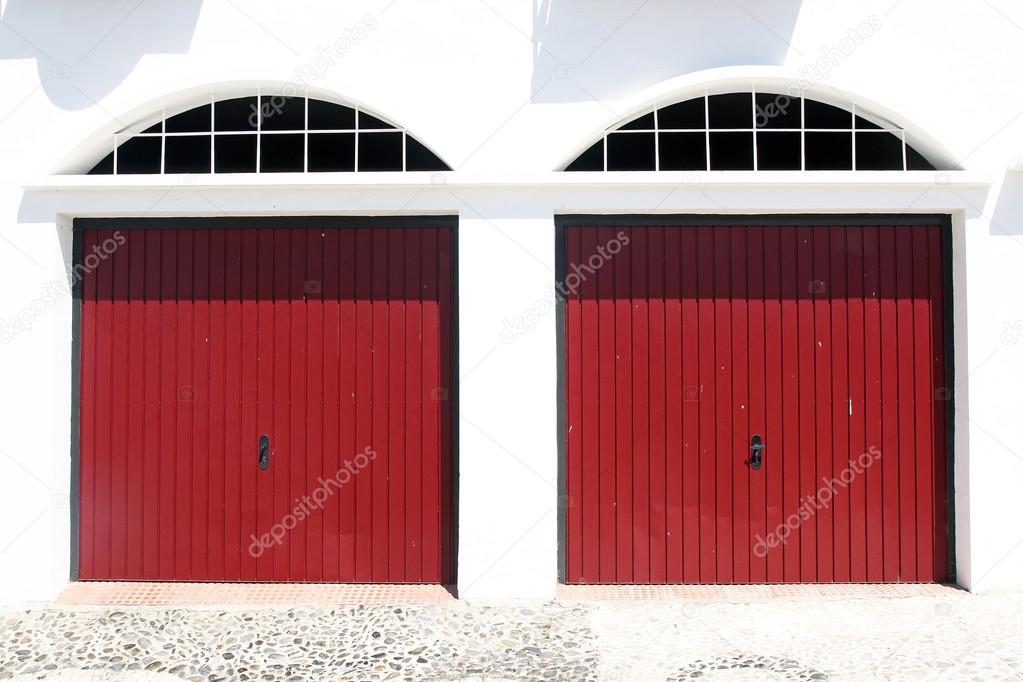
point(752, 593)
point(260, 595)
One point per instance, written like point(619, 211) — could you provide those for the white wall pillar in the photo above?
point(507, 427)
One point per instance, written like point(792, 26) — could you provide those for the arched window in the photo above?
point(752, 131)
point(268, 134)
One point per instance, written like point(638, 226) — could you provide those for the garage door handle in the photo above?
point(264, 452)
point(756, 447)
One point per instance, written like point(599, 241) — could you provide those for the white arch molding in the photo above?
point(773, 79)
point(84, 155)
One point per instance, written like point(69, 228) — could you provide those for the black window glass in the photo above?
point(282, 153)
point(682, 151)
point(820, 115)
point(916, 161)
point(139, 155)
point(828, 151)
point(236, 114)
point(731, 151)
point(645, 122)
point(878, 151)
point(105, 166)
point(689, 114)
point(192, 121)
point(380, 152)
point(734, 110)
point(331, 152)
point(156, 129)
point(630, 151)
point(590, 160)
point(368, 122)
point(864, 124)
point(779, 150)
point(328, 116)
point(282, 113)
point(778, 111)
point(419, 158)
point(187, 154)
point(234, 154)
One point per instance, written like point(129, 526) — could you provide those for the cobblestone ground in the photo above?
point(956, 636)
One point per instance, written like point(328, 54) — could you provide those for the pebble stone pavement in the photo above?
point(955, 636)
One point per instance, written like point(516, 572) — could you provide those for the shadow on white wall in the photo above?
point(93, 46)
point(590, 49)
point(1007, 217)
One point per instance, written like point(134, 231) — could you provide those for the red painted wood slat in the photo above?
point(195, 341)
point(826, 340)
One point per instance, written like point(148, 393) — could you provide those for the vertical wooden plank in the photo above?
point(942, 392)
point(890, 434)
point(873, 383)
point(169, 401)
point(756, 332)
point(724, 460)
point(321, 496)
point(413, 407)
point(269, 260)
point(379, 469)
point(184, 392)
point(706, 353)
point(431, 406)
point(283, 456)
point(120, 387)
point(640, 408)
point(249, 378)
point(332, 418)
point(104, 543)
point(585, 505)
point(658, 407)
point(293, 301)
point(923, 396)
point(574, 427)
point(906, 412)
point(396, 465)
point(608, 407)
point(822, 369)
point(692, 396)
point(674, 385)
point(201, 469)
point(152, 502)
point(737, 454)
point(133, 249)
point(87, 451)
point(807, 414)
point(843, 476)
point(353, 434)
point(216, 511)
point(858, 543)
point(624, 436)
point(792, 282)
point(773, 411)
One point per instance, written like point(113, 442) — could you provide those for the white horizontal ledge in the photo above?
point(455, 179)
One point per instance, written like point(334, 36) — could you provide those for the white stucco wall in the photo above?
point(506, 93)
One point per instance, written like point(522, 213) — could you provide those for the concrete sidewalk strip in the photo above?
point(909, 632)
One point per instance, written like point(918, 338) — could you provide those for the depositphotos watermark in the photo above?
point(580, 272)
point(810, 504)
point(305, 505)
point(316, 69)
point(819, 70)
point(59, 288)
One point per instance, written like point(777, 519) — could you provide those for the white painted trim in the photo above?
point(454, 179)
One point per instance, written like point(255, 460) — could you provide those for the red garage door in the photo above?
point(265, 403)
point(689, 346)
